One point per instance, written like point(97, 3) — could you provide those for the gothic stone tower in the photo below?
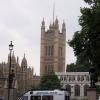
point(53, 44)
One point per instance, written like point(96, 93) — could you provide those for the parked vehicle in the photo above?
point(46, 95)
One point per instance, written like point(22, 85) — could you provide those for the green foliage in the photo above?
point(86, 42)
point(71, 67)
point(49, 81)
point(35, 88)
point(77, 67)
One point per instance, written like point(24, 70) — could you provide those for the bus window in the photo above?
point(24, 98)
point(67, 98)
point(35, 98)
point(47, 98)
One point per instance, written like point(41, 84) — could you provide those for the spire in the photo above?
point(17, 60)
point(24, 61)
point(56, 22)
point(53, 12)
point(63, 23)
point(24, 55)
point(32, 70)
point(63, 27)
point(43, 22)
point(43, 25)
point(50, 25)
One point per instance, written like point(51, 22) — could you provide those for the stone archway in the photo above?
point(77, 90)
point(85, 89)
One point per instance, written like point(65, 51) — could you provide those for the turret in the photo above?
point(32, 70)
point(43, 29)
point(17, 60)
point(50, 26)
point(56, 23)
point(43, 26)
point(24, 63)
point(64, 28)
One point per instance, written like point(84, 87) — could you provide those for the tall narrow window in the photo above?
point(85, 89)
point(49, 68)
point(52, 50)
point(60, 51)
point(46, 50)
point(49, 50)
point(77, 90)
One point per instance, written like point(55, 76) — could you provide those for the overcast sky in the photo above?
point(20, 21)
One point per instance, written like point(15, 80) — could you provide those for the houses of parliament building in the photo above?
point(53, 44)
point(52, 58)
point(23, 74)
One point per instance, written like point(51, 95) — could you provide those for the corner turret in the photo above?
point(24, 63)
point(64, 28)
point(43, 25)
point(56, 23)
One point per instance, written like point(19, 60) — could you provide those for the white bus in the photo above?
point(46, 95)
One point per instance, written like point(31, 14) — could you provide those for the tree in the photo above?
point(49, 81)
point(86, 42)
point(74, 67)
point(71, 67)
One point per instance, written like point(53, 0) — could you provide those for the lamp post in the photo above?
point(9, 73)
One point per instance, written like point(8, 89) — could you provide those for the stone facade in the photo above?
point(76, 83)
point(36, 81)
point(53, 44)
point(2, 80)
point(23, 75)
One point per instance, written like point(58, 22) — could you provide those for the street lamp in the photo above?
point(11, 46)
point(9, 73)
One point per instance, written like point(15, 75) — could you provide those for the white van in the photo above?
point(46, 95)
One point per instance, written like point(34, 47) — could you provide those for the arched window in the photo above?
point(60, 51)
point(65, 78)
point(49, 68)
point(49, 50)
point(46, 50)
point(68, 88)
point(82, 78)
point(69, 78)
point(73, 78)
point(77, 90)
point(61, 78)
point(87, 78)
point(78, 78)
point(85, 89)
point(52, 50)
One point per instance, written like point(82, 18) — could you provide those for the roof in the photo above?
point(72, 73)
point(47, 92)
